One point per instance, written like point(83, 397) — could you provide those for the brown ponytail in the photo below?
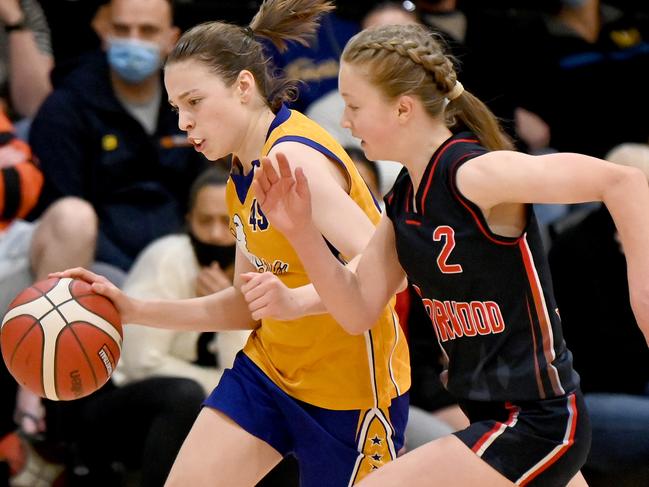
point(409, 59)
point(228, 49)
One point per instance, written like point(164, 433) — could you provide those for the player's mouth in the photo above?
point(198, 144)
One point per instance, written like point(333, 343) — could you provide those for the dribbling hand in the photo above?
point(125, 305)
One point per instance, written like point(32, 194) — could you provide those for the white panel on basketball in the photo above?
point(73, 311)
point(52, 323)
point(60, 292)
point(41, 306)
point(36, 308)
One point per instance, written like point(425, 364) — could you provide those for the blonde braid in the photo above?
point(427, 56)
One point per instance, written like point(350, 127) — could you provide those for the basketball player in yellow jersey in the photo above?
point(335, 398)
point(305, 356)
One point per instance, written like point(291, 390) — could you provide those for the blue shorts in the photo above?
point(333, 448)
point(540, 443)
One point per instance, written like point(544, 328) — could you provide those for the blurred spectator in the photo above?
point(25, 57)
point(368, 171)
point(473, 33)
point(327, 111)
point(181, 266)
point(108, 136)
point(386, 13)
point(590, 281)
point(71, 45)
point(317, 66)
point(585, 76)
point(20, 186)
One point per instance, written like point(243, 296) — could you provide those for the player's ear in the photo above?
point(245, 85)
point(405, 108)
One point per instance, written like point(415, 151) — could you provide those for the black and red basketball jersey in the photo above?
point(489, 297)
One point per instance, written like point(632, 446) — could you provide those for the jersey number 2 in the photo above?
point(448, 234)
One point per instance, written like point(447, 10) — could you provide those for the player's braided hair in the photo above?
point(228, 49)
point(409, 59)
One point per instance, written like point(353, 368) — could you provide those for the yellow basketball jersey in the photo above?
point(312, 358)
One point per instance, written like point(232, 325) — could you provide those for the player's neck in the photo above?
point(423, 143)
point(254, 138)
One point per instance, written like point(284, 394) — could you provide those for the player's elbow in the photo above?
point(358, 326)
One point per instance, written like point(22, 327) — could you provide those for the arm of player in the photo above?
point(225, 310)
point(509, 177)
point(355, 299)
point(269, 297)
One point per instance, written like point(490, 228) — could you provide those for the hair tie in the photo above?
point(249, 32)
point(457, 90)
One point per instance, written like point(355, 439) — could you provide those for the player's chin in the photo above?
point(212, 154)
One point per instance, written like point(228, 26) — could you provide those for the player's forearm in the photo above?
point(627, 199)
point(225, 310)
point(309, 299)
point(336, 285)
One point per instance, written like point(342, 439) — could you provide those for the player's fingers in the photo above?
point(110, 291)
point(260, 313)
point(259, 192)
point(79, 273)
point(256, 287)
point(255, 293)
point(269, 170)
point(284, 166)
point(302, 184)
point(262, 180)
point(248, 276)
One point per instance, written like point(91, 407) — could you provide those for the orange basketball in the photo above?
point(60, 339)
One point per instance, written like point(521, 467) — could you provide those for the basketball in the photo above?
point(60, 339)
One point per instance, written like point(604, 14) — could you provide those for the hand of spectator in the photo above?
point(211, 279)
point(268, 297)
point(10, 11)
point(126, 306)
point(30, 413)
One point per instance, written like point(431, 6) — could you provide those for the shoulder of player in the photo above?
point(317, 167)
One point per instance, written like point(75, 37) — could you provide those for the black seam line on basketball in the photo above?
point(85, 354)
point(17, 347)
point(32, 300)
point(73, 298)
point(55, 308)
point(67, 324)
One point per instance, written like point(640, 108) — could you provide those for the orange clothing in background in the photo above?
point(21, 181)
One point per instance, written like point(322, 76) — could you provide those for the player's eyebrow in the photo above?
point(184, 94)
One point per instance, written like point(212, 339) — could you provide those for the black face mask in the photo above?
point(208, 253)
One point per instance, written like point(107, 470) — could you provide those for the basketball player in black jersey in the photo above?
point(459, 225)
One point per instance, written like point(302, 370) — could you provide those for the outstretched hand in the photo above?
point(284, 198)
point(125, 305)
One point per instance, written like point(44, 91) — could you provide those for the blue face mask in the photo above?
point(133, 60)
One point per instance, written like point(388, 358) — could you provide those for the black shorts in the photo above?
point(540, 443)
